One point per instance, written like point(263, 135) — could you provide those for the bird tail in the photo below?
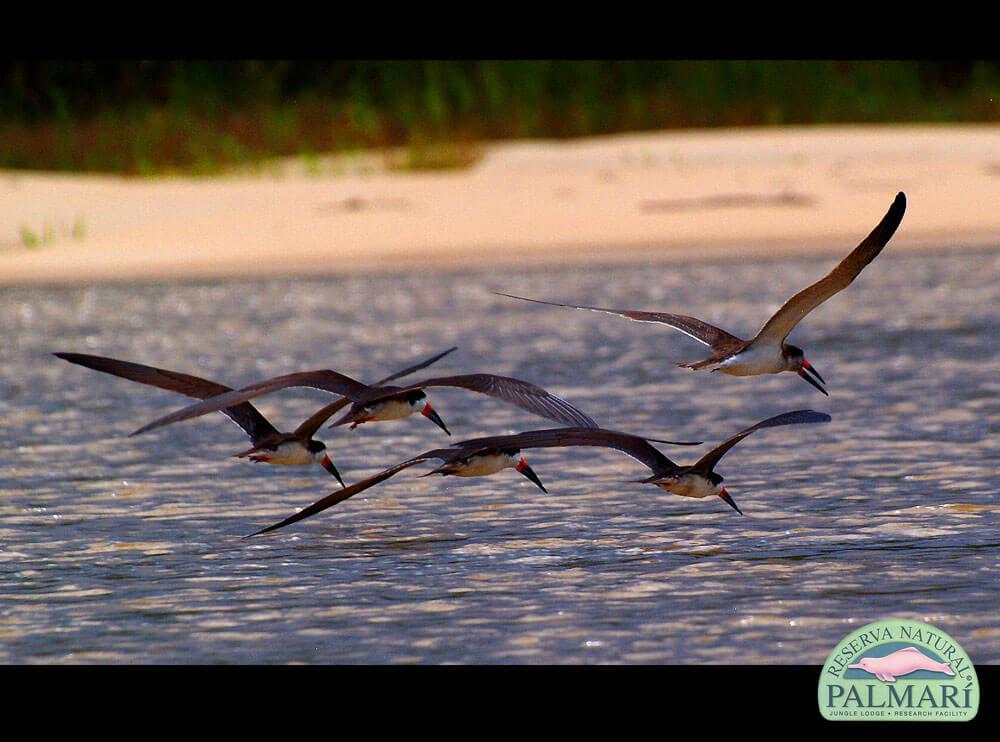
point(697, 365)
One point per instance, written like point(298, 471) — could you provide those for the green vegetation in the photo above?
point(153, 117)
point(50, 231)
point(29, 238)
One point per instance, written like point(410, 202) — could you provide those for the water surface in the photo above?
point(116, 549)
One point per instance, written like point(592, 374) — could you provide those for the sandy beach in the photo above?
point(673, 195)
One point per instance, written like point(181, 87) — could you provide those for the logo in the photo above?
point(898, 670)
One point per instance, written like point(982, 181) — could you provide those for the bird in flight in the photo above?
point(485, 456)
point(380, 402)
point(767, 352)
point(270, 446)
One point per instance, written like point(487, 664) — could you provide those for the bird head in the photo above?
point(522, 467)
point(795, 360)
point(419, 401)
point(320, 455)
point(716, 480)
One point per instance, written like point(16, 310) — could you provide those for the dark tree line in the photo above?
point(440, 93)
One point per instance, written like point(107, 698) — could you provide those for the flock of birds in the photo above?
point(766, 353)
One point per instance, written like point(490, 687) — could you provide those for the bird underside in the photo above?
point(271, 452)
point(724, 348)
point(751, 360)
point(698, 365)
point(265, 445)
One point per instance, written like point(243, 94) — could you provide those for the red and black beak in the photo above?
point(806, 366)
point(328, 465)
point(530, 474)
point(729, 501)
point(435, 418)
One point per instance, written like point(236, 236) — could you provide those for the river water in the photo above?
point(129, 550)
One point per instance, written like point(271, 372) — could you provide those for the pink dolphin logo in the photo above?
point(900, 662)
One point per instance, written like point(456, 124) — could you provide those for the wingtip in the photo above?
point(812, 416)
point(674, 443)
point(515, 296)
point(272, 527)
point(75, 358)
point(898, 207)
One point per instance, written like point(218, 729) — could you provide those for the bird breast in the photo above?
point(753, 361)
point(689, 485)
point(291, 453)
point(481, 466)
point(390, 409)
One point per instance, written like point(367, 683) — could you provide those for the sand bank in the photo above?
point(673, 195)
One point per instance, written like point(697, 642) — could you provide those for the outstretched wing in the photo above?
point(714, 337)
point(327, 380)
point(776, 329)
point(413, 369)
point(631, 445)
point(333, 498)
point(245, 415)
point(519, 393)
point(707, 462)
point(309, 427)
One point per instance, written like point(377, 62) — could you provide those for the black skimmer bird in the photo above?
point(379, 402)
point(767, 352)
point(270, 446)
point(484, 456)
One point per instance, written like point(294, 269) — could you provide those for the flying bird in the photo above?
point(380, 402)
point(270, 445)
point(767, 352)
point(484, 456)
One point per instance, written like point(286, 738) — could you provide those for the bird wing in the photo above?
point(638, 448)
point(707, 462)
point(710, 335)
point(311, 424)
point(776, 329)
point(327, 380)
point(341, 495)
point(519, 393)
point(309, 427)
point(245, 415)
point(417, 367)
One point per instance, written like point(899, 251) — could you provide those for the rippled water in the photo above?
point(128, 550)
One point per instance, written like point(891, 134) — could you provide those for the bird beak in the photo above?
point(729, 501)
point(435, 418)
point(530, 474)
point(806, 366)
point(328, 465)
